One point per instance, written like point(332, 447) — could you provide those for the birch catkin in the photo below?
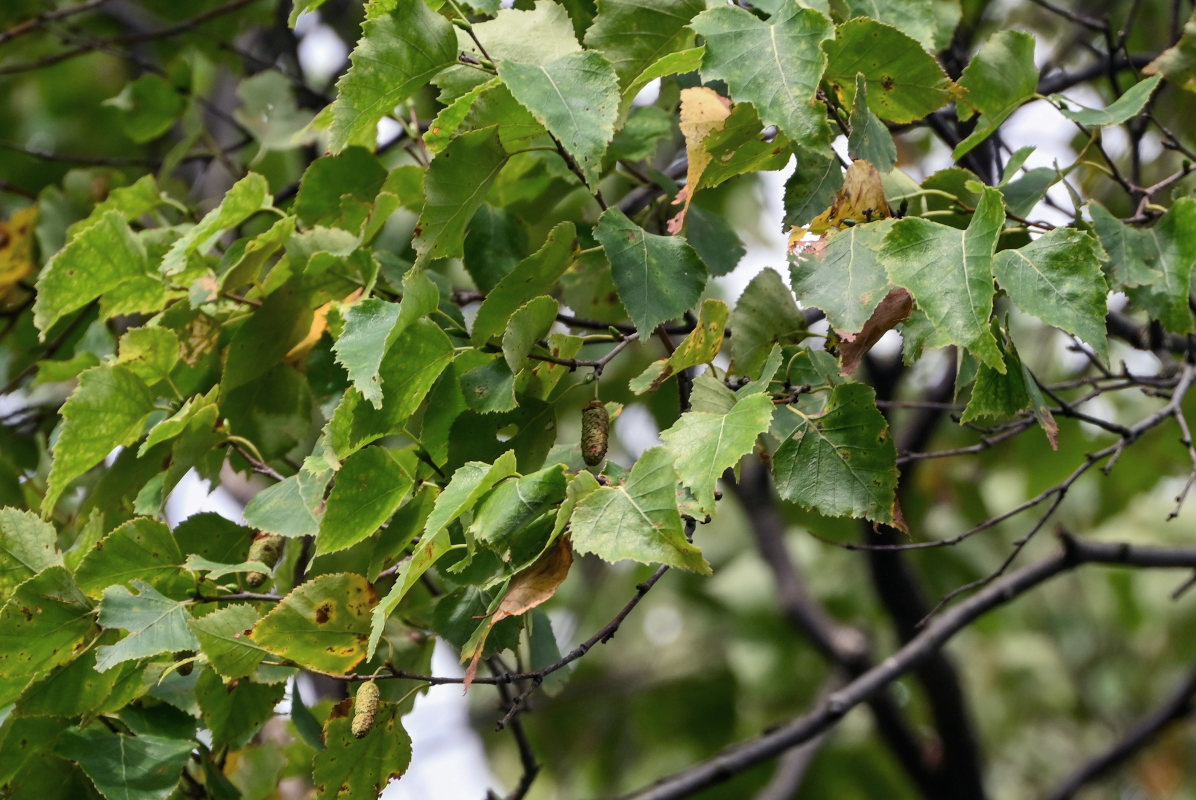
point(595, 430)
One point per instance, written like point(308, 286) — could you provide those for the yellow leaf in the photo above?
point(16, 248)
point(862, 199)
point(703, 111)
point(319, 323)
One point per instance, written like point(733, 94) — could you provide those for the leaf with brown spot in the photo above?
point(894, 308)
point(323, 625)
point(862, 199)
point(699, 347)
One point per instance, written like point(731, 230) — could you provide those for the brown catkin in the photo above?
point(365, 709)
point(266, 548)
point(595, 430)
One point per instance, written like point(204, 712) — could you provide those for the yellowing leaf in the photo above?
point(16, 248)
point(862, 199)
point(703, 111)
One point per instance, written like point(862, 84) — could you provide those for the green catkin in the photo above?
point(266, 548)
point(365, 709)
point(595, 430)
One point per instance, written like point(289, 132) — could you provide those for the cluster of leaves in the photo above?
point(393, 338)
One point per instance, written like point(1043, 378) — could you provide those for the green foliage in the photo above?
point(430, 314)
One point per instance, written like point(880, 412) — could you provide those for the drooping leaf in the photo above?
point(530, 323)
point(634, 35)
point(27, 546)
point(705, 445)
point(322, 625)
point(949, 273)
point(714, 239)
point(143, 549)
point(895, 307)
point(156, 624)
point(774, 65)
point(126, 767)
point(766, 315)
point(869, 140)
point(534, 276)
point(999, 79)
point(454, 187)
point(349, 768)
point(576, 97)
point(658, 277)
point(224, 639)
point(234, 712)
point(699, 347)
point(905, 83)
point(703, 111)
point(368, 489)
point(998, 396)
point(1123, 108)
point(401, 49)
point(247, 196)
point(637, 519)
point(95, 260)
point(106, 410)
point(841, 462)
point(1057, 278)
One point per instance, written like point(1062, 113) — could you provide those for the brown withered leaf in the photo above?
point(528, 589)
point(894, 308)
point(862, 199)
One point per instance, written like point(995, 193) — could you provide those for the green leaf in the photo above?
point(1057, 278)
point(489, 388)
point(534, 276)
point(247, 196)
point(699, 347)
point(150, 353)
point(106, 410)
point(514, 504)
point(27, 546)
point(766, 315)
point(125, 767)
point(1178, 62)
point(930, 23)
point(291, 506)
point(1170, 247)
point(44, 623)
point(1130, 252)
point(369, 488)
point(576, 97)
point(999, 79)
point(1123, 108)
point(706, 445)
point(401, 50)
point(349, 768)
point(143, 549)
point(322, 625)
point(658, 277)
point(841, 462)
point(738, 147)
point(455, 186)
point(411, 365)
point(156, 624)
point(949, 273)
point(95, 260)
point(353, 174)
point(998, 396)
point(150, 107)
point(637, 519)
point(495, 242)
point(905, 83)
point(530, 323)
point(235, 712)
point(869, 140)
point(78, 689)
point(815, 182)
point(845, 277)
point(774, 65)
point(634, 35)
point(224, 638)
point(680, 63)
point(537, 35)
point(713, 237)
